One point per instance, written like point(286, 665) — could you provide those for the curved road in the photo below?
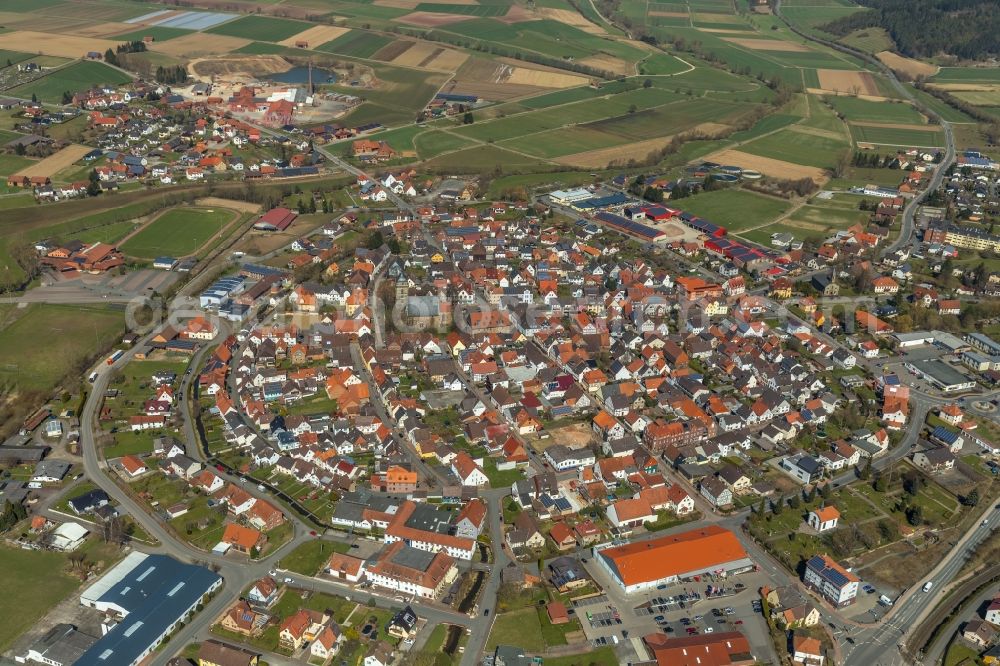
point(906, 235)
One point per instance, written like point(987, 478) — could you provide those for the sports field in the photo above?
point(47, 341)
point(735, 209)
point(177, 232)
point(72, 78)
point(264, 28)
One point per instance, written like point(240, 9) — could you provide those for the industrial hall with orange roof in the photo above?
point(642, 565)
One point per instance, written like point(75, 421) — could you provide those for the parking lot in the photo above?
point(678, 610)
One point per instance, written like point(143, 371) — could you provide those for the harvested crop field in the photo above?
point(426, 55)
point(768, 166)
point(233, 204)
point(604, 156)
point(910, 66)
point(610, 64)
point(197, 44)
point(727, 31)
point(66, 46)
point(533, 77)
point(845, 81)
point(516, 14)
point(56, 162)
point(448, 60)
point(314, 36)
point(767, 44)
point(102, 29)
point(392, 50)
point(431, 19)
point(572, 18)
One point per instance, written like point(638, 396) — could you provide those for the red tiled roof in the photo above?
point(674, 555)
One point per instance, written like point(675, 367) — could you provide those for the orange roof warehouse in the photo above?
point(642, 565)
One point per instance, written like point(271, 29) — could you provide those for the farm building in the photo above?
point(276, 219)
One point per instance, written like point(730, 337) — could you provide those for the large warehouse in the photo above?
point(152, 595)
point(642, 565)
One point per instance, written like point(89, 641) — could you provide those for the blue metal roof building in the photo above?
point(153, 594)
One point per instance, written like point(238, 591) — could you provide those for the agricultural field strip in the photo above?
point(565, 115)
point(766, 55)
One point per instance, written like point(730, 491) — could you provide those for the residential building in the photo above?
point(839, 586)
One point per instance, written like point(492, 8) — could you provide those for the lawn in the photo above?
point(798, 148)
point(894, 136)
point(177, 232)
point(33, 582)
point(735, 209)
point(48, 341)
point(264, 28)
point(72, 78)
point(853, 108)
point(501, 478)
point(521, 628)
point(960, 654)
point(309, 557)
point(131, 443)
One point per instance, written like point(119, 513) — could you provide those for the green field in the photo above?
point(799, 148)
point(431, 144)
point(894, 136)
point(482, 11)
point(967, 75)
point(264, 28)
point(12, 57)
point(853, 108)
point(33, 582)
point(45, 342)
point(11, 163)
point(28, 5)
point(870, 40)
point(660, 64)
point(735, 209)
point(398, 101)
point(356, 43)
point(177, 232)
point(71, 78)
point(159, 34)
point(979, 97)
point(547, 37)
